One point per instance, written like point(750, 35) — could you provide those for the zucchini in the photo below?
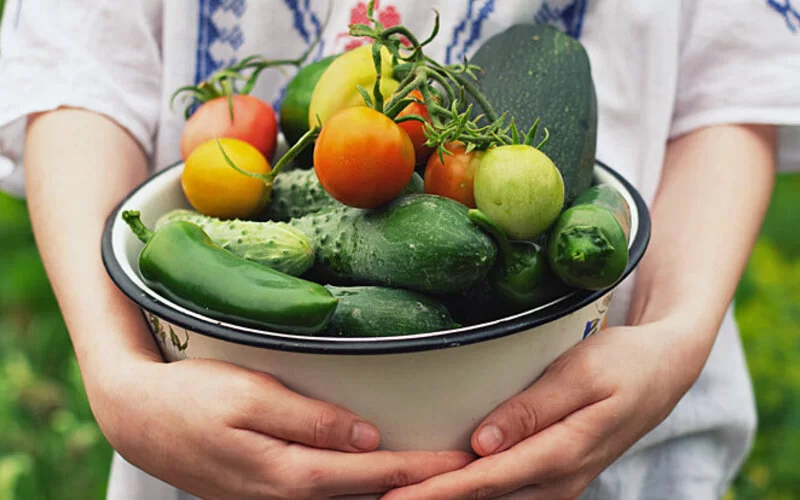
point(276, 245)
point(419, 242)
point(298, 192)
point(536, 71)
point(372, 311)
point(588, 247)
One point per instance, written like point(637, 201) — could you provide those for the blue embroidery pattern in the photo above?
point(307, 24)
point(790, 14)
point(457, 52)
point(568, 18)
point(209, 34)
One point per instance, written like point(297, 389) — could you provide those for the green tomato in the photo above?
point(520, 189)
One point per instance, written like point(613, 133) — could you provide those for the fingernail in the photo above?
point(364, 436)
point(490, 438)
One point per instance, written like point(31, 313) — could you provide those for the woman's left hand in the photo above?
point(588, 407)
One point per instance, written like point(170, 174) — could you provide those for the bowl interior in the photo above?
point(163, 192)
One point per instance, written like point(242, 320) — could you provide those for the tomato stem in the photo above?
point(307, 139)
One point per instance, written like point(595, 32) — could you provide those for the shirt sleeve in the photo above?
point(101, 55)
point(739, 63)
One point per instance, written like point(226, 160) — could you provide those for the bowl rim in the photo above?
point(383, 345)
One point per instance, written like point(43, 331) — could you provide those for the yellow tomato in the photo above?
point(215, 188)
point(337, 88)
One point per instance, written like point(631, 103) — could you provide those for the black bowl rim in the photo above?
point(314, 345)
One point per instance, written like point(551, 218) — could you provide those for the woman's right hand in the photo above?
point(219, 431)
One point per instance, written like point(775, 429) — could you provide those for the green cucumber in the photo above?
point(419, 242)
point(536, 71)
point(372, 311)
point(588, 247)
point(296, 193)
point(276, 245)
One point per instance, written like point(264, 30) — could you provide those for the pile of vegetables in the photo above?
point(405, 203)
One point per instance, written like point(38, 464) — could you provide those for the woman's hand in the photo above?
point(219, 432)
point(588, 407)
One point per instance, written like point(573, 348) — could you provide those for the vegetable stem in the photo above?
point(486, 224)
point(134, 221)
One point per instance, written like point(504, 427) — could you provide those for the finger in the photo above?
point(568, 385)
point(558, 452)
point(376, 472)
point(265, 405)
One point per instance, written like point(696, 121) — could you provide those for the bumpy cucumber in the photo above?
point(418, 242)
point(372, 311)
point(277, 245)
point(589, 244)
point(298, 192)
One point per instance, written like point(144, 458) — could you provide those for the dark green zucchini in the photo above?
point(419, 242)
point(298, 192)
point(372, 311)
point(536, 71)
point(588, 247)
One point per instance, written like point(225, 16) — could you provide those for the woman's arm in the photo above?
point(601, 397)
point(210, 428)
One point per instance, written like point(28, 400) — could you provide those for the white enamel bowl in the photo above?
point(424, 392)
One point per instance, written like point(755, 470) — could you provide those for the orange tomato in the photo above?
point(214, 188)
point(453, 178)
point(416, 129)
point(363, 158)
point(253, 122)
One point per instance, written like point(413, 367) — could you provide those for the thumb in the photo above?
point(564, 388)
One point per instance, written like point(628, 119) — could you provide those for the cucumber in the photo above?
point(419, 242)
point(298, 192)
point(588, 247)
point(536, 71)
point(372, 311)
point(276, 245)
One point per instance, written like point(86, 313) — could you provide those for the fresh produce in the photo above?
point(589, 245)
point(520, 189)
point(278, 245)
point(371, 311)
point(298, 192)
point(418, 242)
point(504, 147)
point(452, 175)
point(521, 278)
point(416, 129)
point(182, 263)
point(296, 102)
point(214, 188)
point(535, 71)
point(337, 88)
point(362, 158)
point(245, 117)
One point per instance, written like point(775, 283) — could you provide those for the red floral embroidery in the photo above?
point(387, 16)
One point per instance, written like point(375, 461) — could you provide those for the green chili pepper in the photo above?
point(182, 263)
point(522, 278)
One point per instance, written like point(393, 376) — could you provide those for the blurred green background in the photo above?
point(50, 447)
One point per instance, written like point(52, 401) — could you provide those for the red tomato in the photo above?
point(363, 158)
point(415, 129)
point(453, 178)
point(253, 122)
